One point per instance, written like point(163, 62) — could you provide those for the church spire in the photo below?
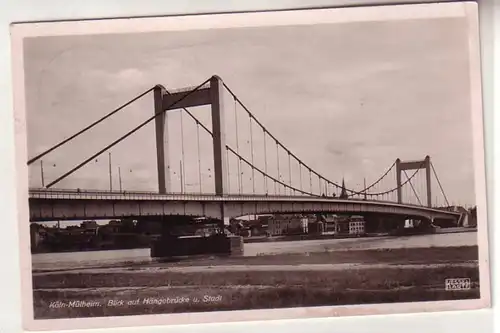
point(343, 193)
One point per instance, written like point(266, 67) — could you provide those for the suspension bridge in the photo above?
point(249, 172)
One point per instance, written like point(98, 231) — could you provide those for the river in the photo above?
point(70, 260)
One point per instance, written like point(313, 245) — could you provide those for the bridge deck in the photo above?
point(62, 195)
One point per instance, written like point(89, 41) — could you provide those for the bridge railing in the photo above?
point(41, 193)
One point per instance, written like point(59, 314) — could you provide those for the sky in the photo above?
point(347, 98)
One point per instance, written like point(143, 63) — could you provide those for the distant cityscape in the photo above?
point(130, 233)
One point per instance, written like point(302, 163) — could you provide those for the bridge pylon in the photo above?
point(161, 129)
point(207, 95)
point(414, 165)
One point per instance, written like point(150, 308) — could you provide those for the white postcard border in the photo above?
point(218, 21)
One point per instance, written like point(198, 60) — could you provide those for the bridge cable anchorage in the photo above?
point(187, 94)
point(439, 183)
point(39, 156)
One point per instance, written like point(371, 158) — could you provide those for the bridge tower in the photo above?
point(208, 95)
point(414, 165)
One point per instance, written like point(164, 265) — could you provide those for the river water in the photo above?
point(72, 260)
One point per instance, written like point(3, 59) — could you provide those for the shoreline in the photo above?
point(260, 282)
point(358, 256)
point(278, 239)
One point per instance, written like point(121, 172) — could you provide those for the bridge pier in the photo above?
point(174, 244)
point(171, 246)
point(426, 225)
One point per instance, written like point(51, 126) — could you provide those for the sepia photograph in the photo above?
point(220, 167)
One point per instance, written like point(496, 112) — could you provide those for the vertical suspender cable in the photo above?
point(251, 148)
point(278, 160)
point(237, 145)
point(310, 182)
point(290, 172)
point(420, 186)
point(183, 173)
point(265, 160)
point(199, 155)
point(228, 171)
point(300, 175)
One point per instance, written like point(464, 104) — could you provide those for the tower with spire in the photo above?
point(343, 192)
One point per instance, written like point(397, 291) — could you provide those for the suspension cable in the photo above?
point(272, 136)
point(263, 173)
point(414, 191)
point(235, 97)
point(439, 183)
point(394, 189)
point(126, 135)
point(374, 183)
point(276, 181)
point(39, 156)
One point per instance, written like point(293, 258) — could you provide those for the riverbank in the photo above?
point(398, 256)
point(364, 277)
point(192, 292)
point(291, 238)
